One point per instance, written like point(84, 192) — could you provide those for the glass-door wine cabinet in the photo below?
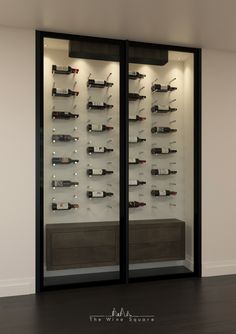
point(118, 161)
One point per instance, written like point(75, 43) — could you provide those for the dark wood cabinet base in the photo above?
point(82, 245)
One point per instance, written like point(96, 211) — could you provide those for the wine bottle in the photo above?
point(136, 118)
point(64, 206)
point(63, 138)
point(64, 161)
point(99, 194)
point(98, 149)
point(134, 183)
point(162, 88)
point(64, 92)
point(98, 172)
point(136, 161)
point(98, 128)
point(163, 193)
point(136, 96)
point(162, 171)
point(64, 183)
point(98, 83)
point(162, 129)
point(135, 204)
point(58, 69)
point(99, 106)
point(162, 150)
point(133, 75)
point(63, 115)
point(162, 109)
point(136, 140)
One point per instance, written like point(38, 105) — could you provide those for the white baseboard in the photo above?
point(17, 287)
point(218, 268)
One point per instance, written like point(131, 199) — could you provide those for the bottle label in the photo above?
point(96, 127)
point(63, 206)
point(132, 160)
point(61, 91)
point(97, 194)
point(97, 104)
point(164, 87)
point(162, 193)
point(62, 68)
point(99, 82)
point(163, 171)
point(64, 160)
point(97, 171)
point(164, 150)
point(132, 73)
point(163, 107)
point(58, 184)
point(133, 139)
point(98, 149)
point(133, 182)
point(132, 117)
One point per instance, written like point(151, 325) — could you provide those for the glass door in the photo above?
point(81, 159)
point(161, 161)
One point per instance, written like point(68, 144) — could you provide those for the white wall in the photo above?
point(218, 163)
point(17, 147)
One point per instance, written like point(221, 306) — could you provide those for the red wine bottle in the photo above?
point(162, 171)
point(98, 149)
point(99, 194)
point(98, 128)
point(136, 161)
point(162, 88)
point(64, 183)
point(99, 106)
point(133, 75)
point(64, 161)
point(63, 115)
point(98, 172)
point(136, 140)
point(64, 206)
point(136, 96)
point(135, 183)
point(135, 204)
point(58, 69)
point(98, 83)
point(162, 129)
point(163, 193)
point(162, 109)
point(162, 150)
point(64, 92)
point(63, 138)
point(136, 118)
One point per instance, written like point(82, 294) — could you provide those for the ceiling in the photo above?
point(200, 23)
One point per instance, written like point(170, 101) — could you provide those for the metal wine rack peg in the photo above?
point(53, 199)
point(172, 142)
point(172, 184)
point(75, 83)
point(54, 176)
point(172, 101)
point(141, 89)
point(89, 75)
point(75, 151)
point(172, 204)
point(109, 162)
point(75, 128)
point(140, 131)
point(54, 153)
point(171, 80)
point(75, 196)
point(140, 152)
point(109, 119)
point(154, 81)
point(155, 101)
point(109, 75)
point(54, 129)
point(109, 206)
point(173, 121)
point(109, 141)
point(53, 107)
point(75, 173)
point(74, 106)
point(140, 110)
point(172, 163)
point(108, 98)
point(153, 123)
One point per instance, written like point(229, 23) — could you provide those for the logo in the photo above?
point(121, 316)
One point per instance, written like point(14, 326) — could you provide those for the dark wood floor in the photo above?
point(180, 306)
